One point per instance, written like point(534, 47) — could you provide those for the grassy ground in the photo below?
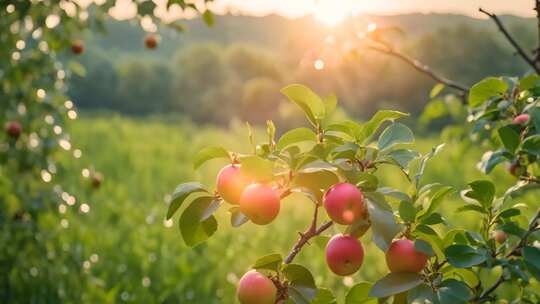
point(142, 259)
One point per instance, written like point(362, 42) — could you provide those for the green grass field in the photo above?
point(129, 253)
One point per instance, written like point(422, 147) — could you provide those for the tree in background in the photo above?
point(34, 111)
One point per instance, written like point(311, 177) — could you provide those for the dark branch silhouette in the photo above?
point(311, 232)
point(511, 39)
point(419, 66)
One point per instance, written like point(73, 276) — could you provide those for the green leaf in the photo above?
point(435, 201)
point(403, 156)
point(482, 191)
point(359, 294)
point(509, 137)
point(426, 230)
point(437, 89)
point(486, 89)
point(307, 100)
point(257, 167)
point(528, 82)
point(395, 283)
point(193, 230)
point(180, 194)
point(531, 145)
point(367, 182)
point(237, 217)
point(421, 294)
point(330, 104)
point(212, 208)
point(464, 256)
point(508, 213)
point(407, 212)
point(209, 153)
point(77, 68)
point(454, 292)
point(269, 262)
point(396, 133)
point(394, 194)
point(423, 163)
point(208, 18)
point(383, 223)
point(146, 8)
point(491, 159)
point(424, 247)
point(531, 255)
point(535, 117)
point(433, 219)
point(367, 130)
point(324, 296)
point(470, 207)
point(295, 136)
point(302, 287)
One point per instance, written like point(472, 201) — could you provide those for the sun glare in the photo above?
point(329, 12)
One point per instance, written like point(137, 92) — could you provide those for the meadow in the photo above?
point(129, 253)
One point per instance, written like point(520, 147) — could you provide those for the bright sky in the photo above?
point(331, 12)
point(295, 8)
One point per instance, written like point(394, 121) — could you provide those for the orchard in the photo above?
point(335, 165)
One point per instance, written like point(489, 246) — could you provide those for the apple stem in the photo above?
point(311, 232)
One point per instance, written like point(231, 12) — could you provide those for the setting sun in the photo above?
point(329, 13)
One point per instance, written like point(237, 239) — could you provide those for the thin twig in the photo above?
point(511, 39)
point(311, 232)
point(419, 66)
point(537, 9)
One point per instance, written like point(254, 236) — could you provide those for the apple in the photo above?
point(521, 119)
point(499, 236)
point(97, 179)
point(77, 47)
point(260, 203)
point(345, 204)
point(344, 254)
point(403, 257)
point(13, 129)
point(151, 41)
point(231, 183)
point(255, 288)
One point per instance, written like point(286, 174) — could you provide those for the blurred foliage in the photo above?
point(37, 265)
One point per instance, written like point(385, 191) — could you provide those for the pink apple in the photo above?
point(13, 129)
point(403, 257)
point(255, 288)
point(345, 204)
point(521, 119)
point(260, 203)
point(231, 183)
point(344, 254)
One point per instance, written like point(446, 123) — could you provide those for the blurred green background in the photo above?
point(144, 114)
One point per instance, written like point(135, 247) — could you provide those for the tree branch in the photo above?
point(417, 65)
point(311, 232)
point(537, 9)
point(511, 39)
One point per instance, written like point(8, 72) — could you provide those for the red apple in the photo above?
point(260, 203)
point(97, 179)
point(150, 41)
point(345, 204)
point(77, 47)
point(521, 119)
point(499, 236)
point(231, 183)
point(13, 129)
point(403, 257)
point(517, 170)
point(344, 254)
point(255, 288)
